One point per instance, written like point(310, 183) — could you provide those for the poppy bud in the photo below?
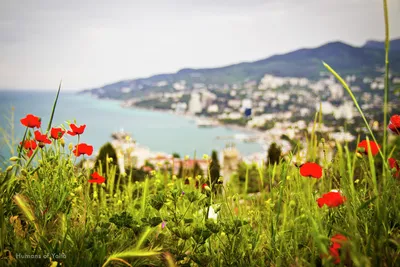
point(41, 144)
point(14, 158)
point(359, 155)
point(70, 146)
point(206, 187)
point(109, 160)
point(361, 149)
point(62, 142)
point(9, 168)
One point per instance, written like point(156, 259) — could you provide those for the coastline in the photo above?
point(186, 116)
point(194, 117)
point(189, 117)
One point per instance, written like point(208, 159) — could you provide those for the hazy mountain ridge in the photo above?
point(346, 59)
point(394, 44)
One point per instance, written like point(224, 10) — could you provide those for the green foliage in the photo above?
point(214, 167)
point(274, 154)
point(240, 122)
point(267, 125)
point(248, 177)
point(105, 152)
point(176, 155)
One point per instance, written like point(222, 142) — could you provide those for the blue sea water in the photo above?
point(159, 131)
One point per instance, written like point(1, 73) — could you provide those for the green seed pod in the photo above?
point(9, 168)
point(14, 158)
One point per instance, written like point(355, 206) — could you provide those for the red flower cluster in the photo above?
point(82, 149)
point(334, 250)
point(76, 130)
point(29, 145)
point(331, 199)
point(311, 169)
point(374, 147)
point(41, 138)
point(394, 165)
point(394, 124)
point(31, 121)
point(97, 178)
point(57, 133)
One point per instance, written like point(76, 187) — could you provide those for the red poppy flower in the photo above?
point(394, 165)
point(76, 130)
point(97, 178)
point(56, 133)
point(394, 124)
point(82, 149)
point(374, 147)
point(311, 169)
point(41, 138)
point(31, 121)
point(337, 241)
point(331, 199)
point(30, 145)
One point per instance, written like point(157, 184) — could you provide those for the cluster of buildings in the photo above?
point(276, 106)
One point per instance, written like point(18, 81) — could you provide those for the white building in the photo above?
point(213, 108)
point(195, 105)
point(181, 107)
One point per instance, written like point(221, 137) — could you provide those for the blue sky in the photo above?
point(91, 43)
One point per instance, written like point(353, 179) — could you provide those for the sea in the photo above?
point(159, 131)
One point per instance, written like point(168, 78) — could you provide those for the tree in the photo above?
point(274, 154)
point(176, 155)
point(197, 169)
point(106, 151)
point(214, 167)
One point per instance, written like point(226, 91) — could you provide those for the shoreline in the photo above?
point(194, 117)
point(186, 116)
point(242, 130)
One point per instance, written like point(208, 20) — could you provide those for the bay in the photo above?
point(159, 131)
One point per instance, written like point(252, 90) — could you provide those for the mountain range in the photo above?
point(367, 60)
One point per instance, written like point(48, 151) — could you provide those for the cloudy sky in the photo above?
point(89, 43)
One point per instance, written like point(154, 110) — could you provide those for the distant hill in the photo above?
point(394, 44)
point(344, 58)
